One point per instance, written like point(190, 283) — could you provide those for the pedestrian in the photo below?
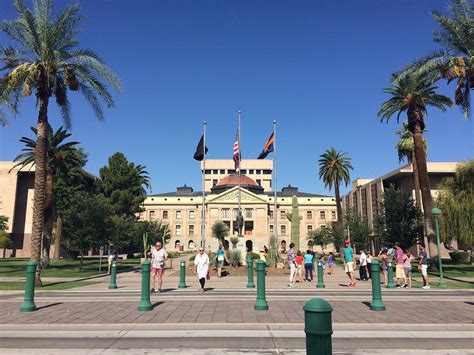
point(220, 260)
point(331, 263)
point(158, 258)
point(384, 265)
point(363, 265)
point(291, 258)
point(399, 268)
point(308, 266)
point(265, 249)
point(369, 264)
point(407, 267)
point(423, 266)
point(201, 266)
point(322, 260)
point(349, 261)
point(112, 256)
point(299, 265)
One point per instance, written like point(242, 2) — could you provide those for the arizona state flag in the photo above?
point(268, 148)
point(199, 155)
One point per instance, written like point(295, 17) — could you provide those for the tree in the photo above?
point(359, 230)
point(333, 170)
point(158, 232)
point(321, 236)
point(456, 201)
point(455, 60)
point(398, 220)
point(5, 240)
point(220, 231)
point(58, 156)
point(413, 94)
point(124, 184)
point(47, 62)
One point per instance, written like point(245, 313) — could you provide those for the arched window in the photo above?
point(249, 246)
point(177, 244)
point(191, 245)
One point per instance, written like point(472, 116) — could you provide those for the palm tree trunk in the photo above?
point(338, 202)
point(416, 180)
point(48, 218)
point(57, 237)
point(427, 199)
point(39, 186)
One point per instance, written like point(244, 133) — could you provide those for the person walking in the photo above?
point(158, 258)
point(308, 266)
point(201, 266)
point(399, 268)
point(292, 265)
point(423, 266)
point(349, 261)
point(220, 260)
point(111, 257)
point(407, 267)
point(299, 266)
point(369, 264)
point(331, 263)
point(384, 265)
point(363, 265)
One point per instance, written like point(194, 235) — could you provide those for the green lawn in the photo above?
point(451, 284)
point(63, 268)
point(19, 285)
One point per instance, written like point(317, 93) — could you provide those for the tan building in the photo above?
point(182, 209)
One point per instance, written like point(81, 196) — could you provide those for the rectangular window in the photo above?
point(235, 213)
point(222, 172)
point(215, 172)
point(251, 171)
point(191, 230)
point(309, 228)
point(270, 213)
point(165, 214)
point(178, 229)
point(267, 172)
point(270, 229)
point(191, 214)
point(258, 172)
point(282, 214)
point(248, 213)
point(283, 230)
point(226, 213)
point(333, 214)
point(152, 214)
point(309, 214)
point(259, 182)
point(178, 214)
point(243, 171)
point(207, 172)
point(322, 214)
point(214, 182)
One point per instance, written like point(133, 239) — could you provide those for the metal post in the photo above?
point(261, 303)
point(182, 274)
point(145, 304)
point(250, 283)
point(390, 283)
point(113, 276)
point(320, 276)
point(318, 327)
point(29, 301)
point(377, 303)
point(441, 283)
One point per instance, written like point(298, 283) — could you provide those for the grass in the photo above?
point(20, 285)
point(451, 284)
point(63, 268)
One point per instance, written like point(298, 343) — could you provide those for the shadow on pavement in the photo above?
point(49, 305)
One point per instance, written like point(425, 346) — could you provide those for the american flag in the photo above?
point(236, 155)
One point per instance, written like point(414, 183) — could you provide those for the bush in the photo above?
point(234, 257)
point(253, 256)
point(234, 241)
point(460, 257)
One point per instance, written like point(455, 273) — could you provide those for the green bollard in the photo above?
point(377, 303)
point(320, 276)
point(261, 303)
point(113, 276)
point(318, 327)
point(29, 301)
point(390, 283)
point(182, 274)
point(250, 283)
point(145, 304)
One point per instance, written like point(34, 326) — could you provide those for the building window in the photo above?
point(178, 214)
point(283, 214)
point(178, 229)
point(226, 213)
point(270, 213)
point(222, 172)
point(207, 172)
point(259, 182)
point(152, 214)
point(309, 214)
point(333, 214)
point(243, 171)
point(309, 228)
point(215, 172)
point(270, 229)
point(283, 230)
point(191, 214)
point(248, 213)
point(214, 182)
point(165, 214)
point(251, 171)
point(258, 172)
point(191, 230)
point(235, 213)
point(267, 172)
point(322, 214)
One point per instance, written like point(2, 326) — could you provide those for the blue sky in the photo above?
point(317, 67)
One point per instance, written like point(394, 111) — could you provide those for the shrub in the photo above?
point(234, 257)
point(234, 241)
point(253, 256)
point(460, 257)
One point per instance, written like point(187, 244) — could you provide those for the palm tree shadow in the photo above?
point(49, 305)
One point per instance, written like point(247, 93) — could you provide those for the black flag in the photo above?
point(199, 155)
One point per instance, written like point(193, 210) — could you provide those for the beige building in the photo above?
point(182, 209)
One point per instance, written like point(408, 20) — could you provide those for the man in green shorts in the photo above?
point(349, 262)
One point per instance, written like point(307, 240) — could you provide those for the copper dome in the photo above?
point(232, 180)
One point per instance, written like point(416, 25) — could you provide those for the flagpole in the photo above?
point(239, 213)
point(275, 214)
point(203, 212)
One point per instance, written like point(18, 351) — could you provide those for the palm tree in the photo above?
point(58, 154)
point(414, 93)
point(333, 170)
point(48, 63)
point(455, 61)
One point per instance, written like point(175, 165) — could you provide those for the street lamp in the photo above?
point(436, 213)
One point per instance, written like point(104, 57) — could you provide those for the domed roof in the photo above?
point(232, 180)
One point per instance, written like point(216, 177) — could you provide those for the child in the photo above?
point(308, 266)
point(331, 263)
point(323, 263)
point(299, 266)
point(407, 267)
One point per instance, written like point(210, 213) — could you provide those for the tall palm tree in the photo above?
point(455, 60)
point(333, 170)
point(414, 93)
point(47, 62)
point(58, 154)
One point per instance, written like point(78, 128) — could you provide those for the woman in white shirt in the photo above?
point(201, 264)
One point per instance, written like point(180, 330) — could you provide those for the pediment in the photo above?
point(232, 196)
